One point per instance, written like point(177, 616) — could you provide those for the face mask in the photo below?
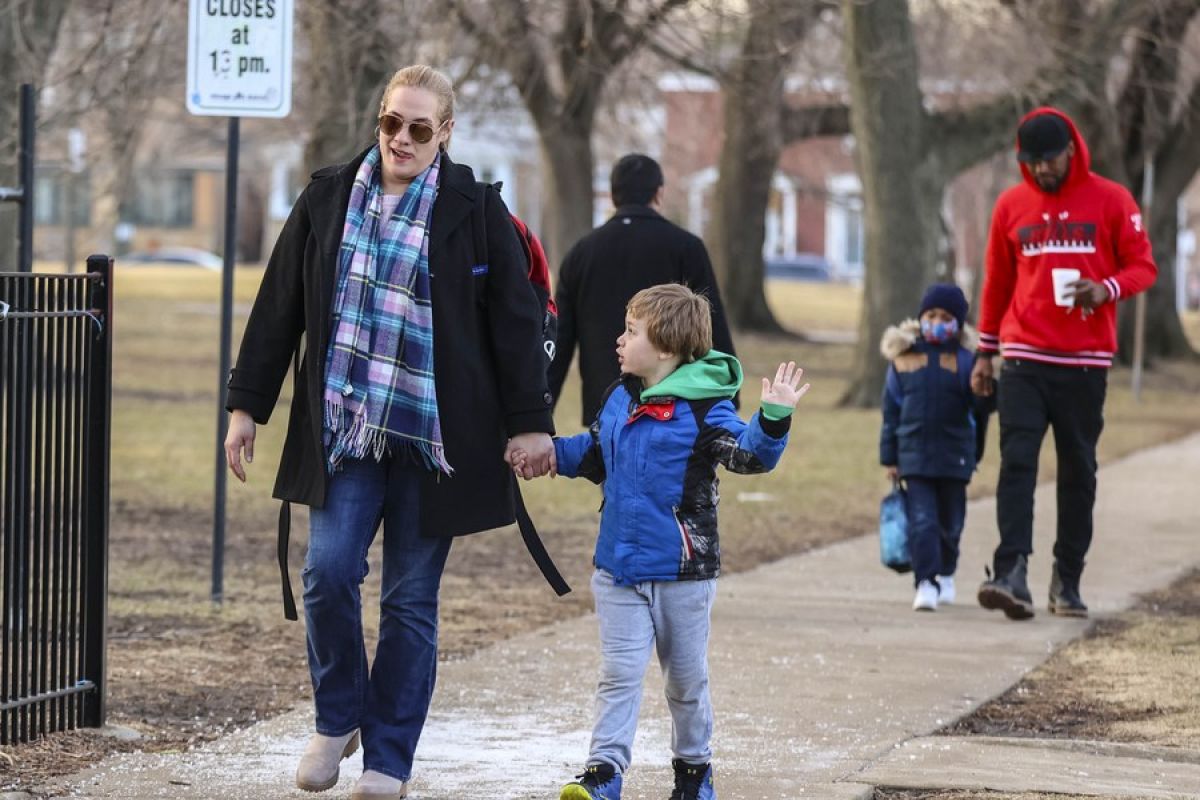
point(938, 332)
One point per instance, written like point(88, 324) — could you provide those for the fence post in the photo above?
point(99, 403)
point(27, 158)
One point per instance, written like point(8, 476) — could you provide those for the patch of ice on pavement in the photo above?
point(512, 756)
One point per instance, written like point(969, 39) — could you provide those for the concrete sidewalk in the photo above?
point(820, 673)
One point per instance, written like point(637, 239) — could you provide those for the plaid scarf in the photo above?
point(379, 387)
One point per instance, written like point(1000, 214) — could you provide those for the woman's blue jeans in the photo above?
point(389, 703)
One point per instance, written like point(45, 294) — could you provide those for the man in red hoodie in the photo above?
point(1062, 223)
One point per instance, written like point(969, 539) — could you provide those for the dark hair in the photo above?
point(634, 180)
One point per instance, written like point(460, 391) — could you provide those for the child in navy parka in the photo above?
point(930, 437)
point(661, 432)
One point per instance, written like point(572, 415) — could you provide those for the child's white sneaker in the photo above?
point(927, 597)
point(946, 589)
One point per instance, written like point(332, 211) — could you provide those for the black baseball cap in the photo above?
point(1042, 138)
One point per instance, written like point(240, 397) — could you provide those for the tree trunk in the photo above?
point(567, 197)
point(902, 190)
point(352, 60)
point(753, 98)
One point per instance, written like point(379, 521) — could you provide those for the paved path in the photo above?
point(820, 673)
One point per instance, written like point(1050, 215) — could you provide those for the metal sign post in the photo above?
point(1139, 308)
point(239, 65)
point(22, 194)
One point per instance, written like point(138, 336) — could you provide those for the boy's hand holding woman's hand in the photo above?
point(785, 390)
point(531, 455)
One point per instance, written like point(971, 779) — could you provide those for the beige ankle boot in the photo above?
point(318, 769)
point(377, 786)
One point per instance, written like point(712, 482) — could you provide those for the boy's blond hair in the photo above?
point(677, 320)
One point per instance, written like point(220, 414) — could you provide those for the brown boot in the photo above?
point(319, 766)
point(377, 786)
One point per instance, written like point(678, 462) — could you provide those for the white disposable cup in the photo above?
point(1063, 277)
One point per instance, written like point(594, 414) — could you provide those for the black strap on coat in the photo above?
point(533, 543)
point(281, 547)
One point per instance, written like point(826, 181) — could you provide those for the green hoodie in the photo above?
point(716, 374)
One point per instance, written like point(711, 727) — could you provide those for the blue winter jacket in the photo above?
point(929, 413)
point(657, 462)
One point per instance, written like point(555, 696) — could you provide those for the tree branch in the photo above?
point(1178, 157)
point(1144, 105)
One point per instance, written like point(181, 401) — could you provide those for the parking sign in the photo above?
point(240, 58)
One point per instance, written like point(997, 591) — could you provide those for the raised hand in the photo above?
point(785, 390)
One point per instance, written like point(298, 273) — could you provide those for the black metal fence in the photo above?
point(55, 398)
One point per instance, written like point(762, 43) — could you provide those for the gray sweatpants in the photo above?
point(672, 617)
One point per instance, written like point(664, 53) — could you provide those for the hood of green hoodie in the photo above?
point(717, 374)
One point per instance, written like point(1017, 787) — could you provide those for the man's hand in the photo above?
point(786, 389)
point(531, 455)
point(982, 382)
point(892, 472)
point(240, 437)
point(1088, 295)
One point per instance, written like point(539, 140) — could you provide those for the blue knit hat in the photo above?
point(946, 296)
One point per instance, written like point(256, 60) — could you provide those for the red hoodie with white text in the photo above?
point(1090, 224)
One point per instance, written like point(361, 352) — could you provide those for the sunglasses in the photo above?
point(421, 132)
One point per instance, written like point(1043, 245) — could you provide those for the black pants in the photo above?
point(1069, 400)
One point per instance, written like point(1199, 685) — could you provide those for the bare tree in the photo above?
point(559, 57)
point(28, 32)
point(1158, 117)
point(1145, 104)
point(758, 123)
point(119, 60)
point(907, 154)
point(352, 48)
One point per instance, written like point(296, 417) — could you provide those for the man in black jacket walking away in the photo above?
point(635, 249)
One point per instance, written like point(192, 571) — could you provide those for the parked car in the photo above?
point(799, 267)
point(191, 256)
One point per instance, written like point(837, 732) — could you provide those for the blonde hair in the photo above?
point(420, 76)
point(677, 319)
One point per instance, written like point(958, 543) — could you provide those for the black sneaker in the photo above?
point(1064, 596)
point(1009, 593)
point(598, 782)
point(693, 781)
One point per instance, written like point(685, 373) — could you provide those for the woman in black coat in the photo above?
point(421, 370)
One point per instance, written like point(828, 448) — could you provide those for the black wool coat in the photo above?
point(635, 249)
point(489, 367)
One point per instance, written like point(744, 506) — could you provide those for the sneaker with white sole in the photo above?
point(319, 766)
point(946, 593)
point(927, 597)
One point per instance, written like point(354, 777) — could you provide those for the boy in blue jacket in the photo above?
point(930, 436)
point(655, 445)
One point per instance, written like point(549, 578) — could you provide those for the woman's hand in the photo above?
point(531, 455)
point(892, 472)
point(240, 437)
point(786, 389)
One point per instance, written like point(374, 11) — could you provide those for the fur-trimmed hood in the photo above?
point(900, 338)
